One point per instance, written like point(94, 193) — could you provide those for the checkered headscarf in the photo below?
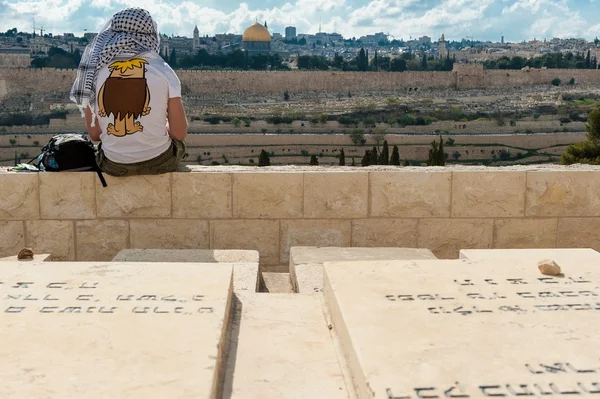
point(131, 31)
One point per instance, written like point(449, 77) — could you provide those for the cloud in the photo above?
point(483, 19)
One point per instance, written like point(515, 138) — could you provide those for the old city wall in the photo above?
point(443, 209)
point(18, 81)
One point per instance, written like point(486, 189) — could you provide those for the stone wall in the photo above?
point(271, 210)
point(19, 81)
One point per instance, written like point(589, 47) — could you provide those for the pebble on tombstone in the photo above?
point(25, 253)
point(549, 267)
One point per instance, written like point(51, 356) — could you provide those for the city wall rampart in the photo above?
point(19, 81)
point(444, 209)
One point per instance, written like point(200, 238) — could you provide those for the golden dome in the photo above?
point(256, 33)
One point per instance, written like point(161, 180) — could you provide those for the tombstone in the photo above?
point(306, 263)
point(466, 329)
point(100, 329)
point(245, 269)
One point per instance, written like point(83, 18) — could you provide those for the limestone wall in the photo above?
point(54, 81)
point(272, 209)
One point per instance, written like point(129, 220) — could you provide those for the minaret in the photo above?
point(196, 43)
point(443, 50)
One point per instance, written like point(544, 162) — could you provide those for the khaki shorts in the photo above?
point(166, 162)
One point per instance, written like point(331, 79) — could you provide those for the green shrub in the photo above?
point(572, 81)
point(586, 152)
point(556, 82)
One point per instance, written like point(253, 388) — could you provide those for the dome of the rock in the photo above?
point(256, 33)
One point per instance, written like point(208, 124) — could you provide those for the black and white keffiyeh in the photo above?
point(130, 31)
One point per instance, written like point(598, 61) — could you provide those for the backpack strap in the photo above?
point(101, 177)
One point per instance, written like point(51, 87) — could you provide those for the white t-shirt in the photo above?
point(132, 96)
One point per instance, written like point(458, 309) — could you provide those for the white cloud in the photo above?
point(483, 19)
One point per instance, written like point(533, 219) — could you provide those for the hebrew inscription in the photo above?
point(88, 297)
point(468, 329)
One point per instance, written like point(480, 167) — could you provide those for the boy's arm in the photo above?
point(94, 131)
point(177, 126)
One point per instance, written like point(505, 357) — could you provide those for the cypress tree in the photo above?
point(374, 156)
point(263, 159)
point(314, 160)
point(395, 160)
point(406, 163)
point(441, 159)
point(366, 160)
point(343, 158)
point(384, 158)
point(353, 164)
point(424, 62)
point(588, 60)
point(16, 159)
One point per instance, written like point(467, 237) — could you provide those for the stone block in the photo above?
point(578, 233)
point(563, 194)
point(68, 195)
point(36, 258)
point(135, 196)
point(569, 257)
point(267, 195)
point(19, 197)
point(476, 328)
point(12, 238)
point(100, 240)
point(202, 195)
point(169, 234)
point(313, 232)
point(245, 263)
point(258, 235)
point(410, 194)
point(336, 195)
point(384, 233)
point(55, 237)
point(140, 330)
point(488, 194)
point(525, 233)
point(445, 237)
point(283, 349)
point(306, 263)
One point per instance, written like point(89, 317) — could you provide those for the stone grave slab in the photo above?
point(110, 329)
point(36, 258)
point(461, 328)
point(281, 347)
point(245, 270)
point(306, 263)
point(560, 255)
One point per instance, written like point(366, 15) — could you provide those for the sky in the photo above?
point(517, 20)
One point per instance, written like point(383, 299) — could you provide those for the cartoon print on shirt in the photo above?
point(125, 96)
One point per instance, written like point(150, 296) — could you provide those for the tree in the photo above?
point(357, 136)
point(16, 159)
point(342, 158)
point(424, 62)
point(556, 82)
point(314, 160)
point(436, 154)
point(456, 155)
point(263, 159)
point(286, 96)
point(173, 58)
point(592, 127)
point(588, 60)
point(366, 160)
point(384, 157)
point(374, 156)
point(362, 61)
point(571, 81)
point(406, 163)
point(398, 65)
point(395, 159)
point(236, 122)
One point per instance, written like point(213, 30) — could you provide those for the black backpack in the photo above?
point(68, 152)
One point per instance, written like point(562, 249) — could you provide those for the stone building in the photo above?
point(15, 58)
point(256, 39)
point(196, 43)
point(443, 50)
